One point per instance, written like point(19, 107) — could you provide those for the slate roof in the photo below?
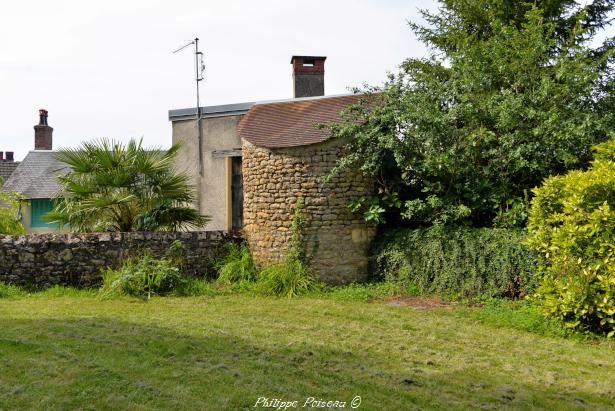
point(7, 168)
point(292, 123)
point(35, 177)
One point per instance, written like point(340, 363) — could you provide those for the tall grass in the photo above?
point(236, 266)
point(288, 278)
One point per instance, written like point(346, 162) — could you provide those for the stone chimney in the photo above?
point(43, 134)
point(308, 76)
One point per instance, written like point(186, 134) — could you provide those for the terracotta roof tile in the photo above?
point(292, 123)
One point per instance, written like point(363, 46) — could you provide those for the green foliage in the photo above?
point(237, 266)
point(572, 223)
point(11, 291)
point(604, 151)
point(146, 275)
point(10, 213)
point(112, 186)
point(290, 277)
point(513, 93)
point(458, 263)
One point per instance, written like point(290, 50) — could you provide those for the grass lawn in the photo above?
point(224, 352)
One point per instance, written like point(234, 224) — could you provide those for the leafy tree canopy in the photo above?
point(123, 187)
point(512, 93)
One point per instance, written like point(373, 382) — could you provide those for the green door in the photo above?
point(39, 207)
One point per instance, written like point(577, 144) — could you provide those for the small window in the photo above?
point(309, 62)
point(40, 207)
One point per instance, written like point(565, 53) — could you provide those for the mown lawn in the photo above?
point(224, 352)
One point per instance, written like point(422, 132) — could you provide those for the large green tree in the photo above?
point(123, 187)
point(513, 91)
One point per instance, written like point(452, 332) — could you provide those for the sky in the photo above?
point(106, 68)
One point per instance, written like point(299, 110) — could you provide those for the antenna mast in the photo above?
point(199, 68)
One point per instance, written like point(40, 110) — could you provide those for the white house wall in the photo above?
point(219, 133)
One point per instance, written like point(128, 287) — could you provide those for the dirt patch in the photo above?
point(423, 303)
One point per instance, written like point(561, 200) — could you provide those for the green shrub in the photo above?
point(146, 275)
point(289, 278)
point(457, 262)
point(572, 223)
point(236, 266)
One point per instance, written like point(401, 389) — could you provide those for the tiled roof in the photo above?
point(35, 177)
point(7, 168)
point(292, 123)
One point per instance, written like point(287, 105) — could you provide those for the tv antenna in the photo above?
point(199, 70)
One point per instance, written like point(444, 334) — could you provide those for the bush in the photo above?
point(146, 275)
point(572, 223)
point(457, 262)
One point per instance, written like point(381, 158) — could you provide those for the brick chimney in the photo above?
point(308, 76)
point(10, 156)
point(43, 134)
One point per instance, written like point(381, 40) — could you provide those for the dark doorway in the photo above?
point(236, 193)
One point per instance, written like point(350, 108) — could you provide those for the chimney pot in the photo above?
point(9, 156)
point(42, 117)
point(43, 134)
point(308, 76)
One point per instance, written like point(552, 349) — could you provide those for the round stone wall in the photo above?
point(337, 241)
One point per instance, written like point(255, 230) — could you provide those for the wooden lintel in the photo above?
point(226, 153)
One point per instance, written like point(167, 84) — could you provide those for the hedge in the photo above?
point(458, 263)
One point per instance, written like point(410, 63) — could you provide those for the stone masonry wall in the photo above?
point(43, 260)
point(273, 181)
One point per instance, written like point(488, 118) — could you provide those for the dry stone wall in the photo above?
point(43, 260)
point(274, 179)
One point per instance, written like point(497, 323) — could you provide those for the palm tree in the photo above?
point(123, 187)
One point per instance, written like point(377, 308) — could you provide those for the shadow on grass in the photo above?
point(103, 363)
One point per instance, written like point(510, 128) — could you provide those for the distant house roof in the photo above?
point(36, 176)
point(210, 111)
point(292, 123)
point(7, 168)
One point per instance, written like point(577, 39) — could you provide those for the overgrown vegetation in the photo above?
point(457, 262)
point(123, 187)
point(10, 213)
point(289, 277)
point(572, 223)
point(144, 276)
point(236, 267)
point(513, 92)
